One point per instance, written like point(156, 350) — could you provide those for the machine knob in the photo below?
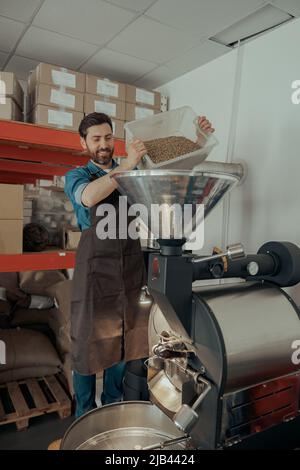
point(252, 268)
point(217, 270)
point(235, 251)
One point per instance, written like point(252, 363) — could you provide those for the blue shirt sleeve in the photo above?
point(75, 183)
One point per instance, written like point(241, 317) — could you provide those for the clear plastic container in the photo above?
point(177, 122)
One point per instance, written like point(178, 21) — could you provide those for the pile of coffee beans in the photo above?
point(167, 148)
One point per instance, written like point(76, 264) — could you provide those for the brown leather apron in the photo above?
point(108, 324)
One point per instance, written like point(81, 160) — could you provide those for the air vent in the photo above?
point(262, 20)
point(261, 406)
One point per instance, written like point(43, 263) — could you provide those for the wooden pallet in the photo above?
point(31, 397)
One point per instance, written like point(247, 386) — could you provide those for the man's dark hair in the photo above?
point(93, 119)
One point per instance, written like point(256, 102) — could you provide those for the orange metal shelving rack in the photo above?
point(29, 152)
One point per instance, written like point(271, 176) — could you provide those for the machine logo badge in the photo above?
point(155, 269)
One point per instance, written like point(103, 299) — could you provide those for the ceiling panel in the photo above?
point(196, 57)
point(157, 77)
point(259, 21)
point(3, 58)
point(150, 40)
point(46, 46)
point(117, 66)
point(290, 6)
point(201, 16)
point(95, 21)
point(18, 9)
point(21, 66)
point(188, 61)
point(135, 5)
point(10, 32)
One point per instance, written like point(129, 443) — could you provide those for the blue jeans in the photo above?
point(85, 388)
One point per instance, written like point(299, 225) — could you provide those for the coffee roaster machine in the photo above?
point(223, 364)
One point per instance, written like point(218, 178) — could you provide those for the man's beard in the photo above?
point(102, 159)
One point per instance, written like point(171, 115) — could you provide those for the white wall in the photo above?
point(209, 91)
point(268, 138)
point(267, 128)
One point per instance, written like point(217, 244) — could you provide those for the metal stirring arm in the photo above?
point(168, 443)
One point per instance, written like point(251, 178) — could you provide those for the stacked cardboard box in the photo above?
point(106, 96)
point(70, 239)
point(55, 97)
point(60, 97)
point(11, 218)
point(163, 103)
point(121, 102)
point(27, 211)
point(11, 97)
point(141, 103)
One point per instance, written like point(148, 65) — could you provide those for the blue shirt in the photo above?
point(76, 182)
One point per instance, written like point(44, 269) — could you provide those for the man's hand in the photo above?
point(136, 151)
point(205, 124)
point(204, 129)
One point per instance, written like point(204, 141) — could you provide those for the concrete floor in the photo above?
point(41, 432)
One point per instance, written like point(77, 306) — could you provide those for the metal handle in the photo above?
point(207, 388)
point(237, 170)
point(186, 417)
point(233, 252)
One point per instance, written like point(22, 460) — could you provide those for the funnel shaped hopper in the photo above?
point(171, 202)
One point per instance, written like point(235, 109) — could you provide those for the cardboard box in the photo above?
point(27, 204)
point(164, 103)
point(11, 218)
point(10, 110)
point(44, 183)
point(71, 239)
point(135, 112)
point(27, 220)
point(10, 87)
point(27, 212)
point(118, 129)
point(105, 87)
point(101, 104)
point(59, 76)
point(11, 236)
point(11, 201)
point(147, 98)
point(52, 117)
point(54, 96)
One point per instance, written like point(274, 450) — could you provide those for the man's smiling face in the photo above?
point(99, 143)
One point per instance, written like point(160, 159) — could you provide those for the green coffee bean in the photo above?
point(167, 148)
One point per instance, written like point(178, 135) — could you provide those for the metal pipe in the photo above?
point(266, 264)
point(233, 252)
